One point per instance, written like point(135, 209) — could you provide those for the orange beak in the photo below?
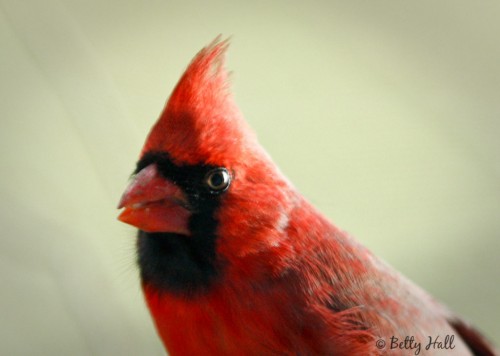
point(154, 204)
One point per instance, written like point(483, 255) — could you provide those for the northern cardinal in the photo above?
point(234, 261)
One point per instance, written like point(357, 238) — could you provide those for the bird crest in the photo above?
point(201, 122)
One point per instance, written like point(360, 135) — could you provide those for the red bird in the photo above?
point(234, 261)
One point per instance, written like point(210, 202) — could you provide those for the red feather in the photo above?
point(289, 281)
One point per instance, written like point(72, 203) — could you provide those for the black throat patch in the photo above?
point(173, 263)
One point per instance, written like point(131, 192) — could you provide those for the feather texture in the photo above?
point(282, 278)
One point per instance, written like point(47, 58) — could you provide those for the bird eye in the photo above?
point(218, 180)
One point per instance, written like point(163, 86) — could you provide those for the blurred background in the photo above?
point(386, 115)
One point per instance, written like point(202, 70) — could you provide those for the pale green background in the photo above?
point(385, 114)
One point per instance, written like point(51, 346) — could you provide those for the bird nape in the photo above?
point(234, 260)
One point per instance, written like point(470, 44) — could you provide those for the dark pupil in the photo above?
point(216, 179)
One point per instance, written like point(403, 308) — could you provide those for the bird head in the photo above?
point(203, 183)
